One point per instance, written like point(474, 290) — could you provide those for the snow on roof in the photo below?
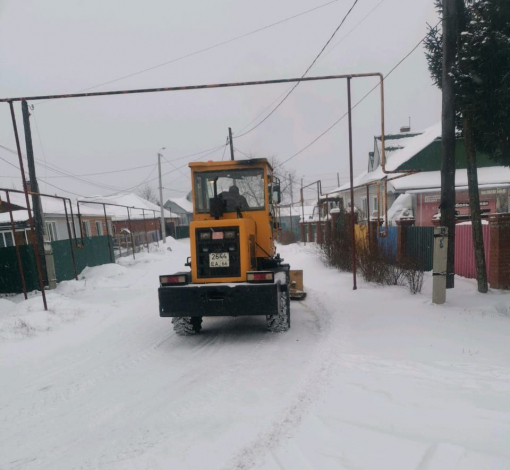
point(411, 146)
point(408, 147)
point(432, 179)
point(183, 203)
point(130, 200)
point(51, 207)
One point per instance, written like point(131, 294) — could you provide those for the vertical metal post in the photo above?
point(145, 229)
point(353, 235)
point(27, 200)
point(155, 218)
point(70, 241)
point(303, 213)
point(132, 234)
point(231, 143)
point(163, 228)
point(108, 234)
point(80, 222)
point(72, 218)
point(368, 208)
point(18, 255)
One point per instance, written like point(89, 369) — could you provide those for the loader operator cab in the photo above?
point(232, 190)
point(234, 269)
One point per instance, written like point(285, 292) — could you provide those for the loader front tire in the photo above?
point(187, 326)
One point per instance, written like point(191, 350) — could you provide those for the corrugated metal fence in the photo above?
point(389, 244)
point(420, 245)
point(465, 252)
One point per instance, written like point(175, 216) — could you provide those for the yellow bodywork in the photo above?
point(256, 230)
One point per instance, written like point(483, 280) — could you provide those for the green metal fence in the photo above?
point(182, 231)
point(420, 245)
point(10, 280)
point(93, 253)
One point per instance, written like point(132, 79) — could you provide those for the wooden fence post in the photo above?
point(499, 272)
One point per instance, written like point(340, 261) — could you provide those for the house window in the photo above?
point(99, 228)
point(51, 230)
point(9, 241)
point(376, 207)
point(86, 228)
point(364, 207)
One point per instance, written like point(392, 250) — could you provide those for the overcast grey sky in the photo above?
point(61, 46)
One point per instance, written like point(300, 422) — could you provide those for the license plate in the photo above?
point(219, 260)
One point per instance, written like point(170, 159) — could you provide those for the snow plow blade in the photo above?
point(296, 285)
point(218, 300)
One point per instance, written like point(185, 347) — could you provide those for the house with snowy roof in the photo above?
point(418, 194)
point(58, 219)
point(182, 207)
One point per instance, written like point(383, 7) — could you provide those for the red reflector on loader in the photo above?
point(168, 280)
point(260, 277)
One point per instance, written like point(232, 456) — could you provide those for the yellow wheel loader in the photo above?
point(234, 268)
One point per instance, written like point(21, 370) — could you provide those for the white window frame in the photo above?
point(376, 206)
point(99, 228)
point(51, 230)
point(364, 207)
point(86, 229)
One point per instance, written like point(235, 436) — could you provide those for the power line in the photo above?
point(353, 107)
point(211, 47)
point(306, 71)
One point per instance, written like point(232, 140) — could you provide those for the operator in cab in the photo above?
point(234, 199)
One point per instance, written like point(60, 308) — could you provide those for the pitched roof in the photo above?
point(399, 148)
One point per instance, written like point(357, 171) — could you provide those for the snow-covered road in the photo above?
point(370, 379)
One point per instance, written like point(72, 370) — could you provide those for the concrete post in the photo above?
point(499, 266)
point(439, 265)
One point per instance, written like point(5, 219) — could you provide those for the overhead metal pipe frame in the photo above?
point(211, 86)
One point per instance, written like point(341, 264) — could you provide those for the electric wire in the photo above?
point(355, 105)
point(208, 48)
point(302, 76)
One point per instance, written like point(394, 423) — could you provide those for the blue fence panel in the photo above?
point(389, 244)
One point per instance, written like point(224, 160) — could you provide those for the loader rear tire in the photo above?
point(187, 326)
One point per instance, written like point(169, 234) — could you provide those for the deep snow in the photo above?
point(371, 379)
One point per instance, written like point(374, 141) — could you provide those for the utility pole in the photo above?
point(45, 251)
point(448, 133)
point(163, 229)
point(231, 143)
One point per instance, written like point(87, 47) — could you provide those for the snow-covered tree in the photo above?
point(482, 83)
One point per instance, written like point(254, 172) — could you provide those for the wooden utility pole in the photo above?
point(231, 143)
point(447, 206)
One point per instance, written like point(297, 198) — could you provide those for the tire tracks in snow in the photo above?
point(333, 340)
